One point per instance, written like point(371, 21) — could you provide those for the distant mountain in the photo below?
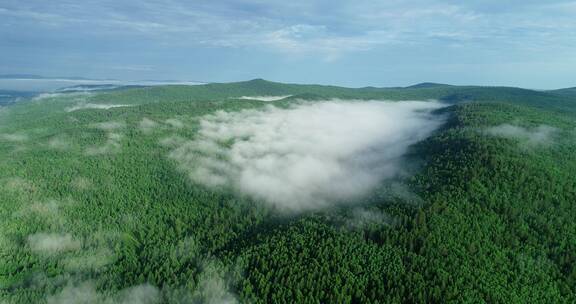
point(425, 85)
point(263, 88)
point(565, 92)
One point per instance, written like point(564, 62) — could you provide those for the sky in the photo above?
point(523, 43)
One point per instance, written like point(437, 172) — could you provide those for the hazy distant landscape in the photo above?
point(18, 86)
point(35, 83)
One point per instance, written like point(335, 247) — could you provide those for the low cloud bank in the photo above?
point(83, 106)
point(149, 126)
point(112, 145)
point(17, 185)
point(265, 98)
point(58, 143)
point(14, 137)
point(82, 183)
point(212, 286)
point(308, 156)
point(50, 243)
point(113, 142)
point(174, 123)
point(43, 96)
point(361, 218)
point(541, 135)
point(86, 292)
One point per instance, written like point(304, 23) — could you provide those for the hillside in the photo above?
point(565, 92)
point(108, 195)
point(9, 96)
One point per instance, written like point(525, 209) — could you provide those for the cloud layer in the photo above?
point(541, 135)
point(82, 106)
point(86, 292)
point(308, 156)
point(113, 142)
point(52, 243)
point(265, 98)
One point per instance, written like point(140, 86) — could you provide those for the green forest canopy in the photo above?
point(491, 219)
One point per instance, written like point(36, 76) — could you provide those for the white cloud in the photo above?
point(212, 288)
point(541, 135)
point(304, 39)
point(112, 145)
point(45, 18)
point(264, 98)
point(148, 125)
point(49, 209)
point(174, 123)
point(308, 156)
point(173, 141)
point(83, 106)
point(76, 95)
point(17, 184)
point(361, 218)
point(82, 294)
point(82, 183)
point(79, 88)
point(58, 143)
point(140, 294)
point(93, 259)
point(14, 137)
point(113, 141)
point(327, 29)
point(50, 243)
point(86, 293)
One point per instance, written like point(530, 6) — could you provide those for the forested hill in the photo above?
point(97, 202)
point(559, 99)
point(565, 92)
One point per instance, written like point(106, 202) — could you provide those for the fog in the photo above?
point(174, 123)
point(541, 135)
point(212, 286)
point(86, 292)
point(59, 142)
point(265, 98)
point(361, 218)
point(50, 243)
point(83, 106)
point(14, 137)
point(113, 141)
point(308, 156)
point(147, 125)
point(76, 95)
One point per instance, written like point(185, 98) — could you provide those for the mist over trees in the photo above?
point(94, 205)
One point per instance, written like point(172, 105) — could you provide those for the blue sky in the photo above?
point(352, 43)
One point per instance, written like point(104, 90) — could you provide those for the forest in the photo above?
point(97, 202)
